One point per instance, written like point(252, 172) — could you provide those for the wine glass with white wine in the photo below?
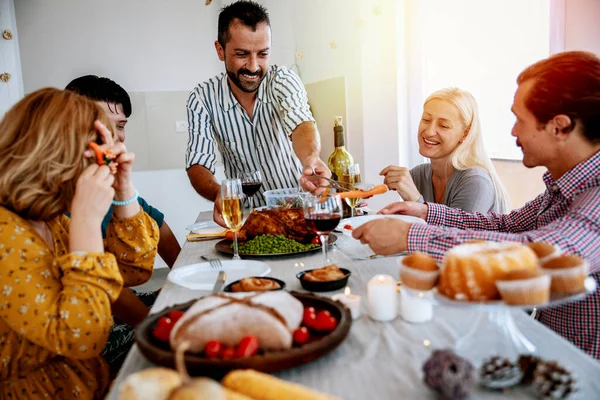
point(351, 175)
point(232, 210)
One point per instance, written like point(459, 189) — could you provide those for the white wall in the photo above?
point(582, 25)
point(145, 45)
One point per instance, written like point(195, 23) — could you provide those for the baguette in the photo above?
point(260, 386)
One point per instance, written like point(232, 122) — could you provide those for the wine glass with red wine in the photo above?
point(323, 214)
point(251, 183)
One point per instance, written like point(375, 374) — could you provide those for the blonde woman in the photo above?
point(460, 174)
point(58, 276)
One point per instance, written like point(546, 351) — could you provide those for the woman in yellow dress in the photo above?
point(58, 277)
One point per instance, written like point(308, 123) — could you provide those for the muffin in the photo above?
point(419, 271)
point(568, 273)
point(525, 287)
point(544, 250)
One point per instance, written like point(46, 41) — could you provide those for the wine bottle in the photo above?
point(340, 159)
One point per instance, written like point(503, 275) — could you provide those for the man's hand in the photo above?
point(406, 208)
point(384, 236)
point(314, 166)
point(400, 180)
point(218, 210)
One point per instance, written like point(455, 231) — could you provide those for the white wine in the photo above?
point(232, 212)
point(351, 178)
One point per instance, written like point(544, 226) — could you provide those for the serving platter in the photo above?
point(224, 246)
point(161, 354)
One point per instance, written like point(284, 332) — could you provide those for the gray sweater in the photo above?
point(471, 190)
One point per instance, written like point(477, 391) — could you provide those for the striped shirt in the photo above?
point(567, 214)
point(261, 143)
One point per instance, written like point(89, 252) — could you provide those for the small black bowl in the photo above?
point(281, 284)
point(325, 286)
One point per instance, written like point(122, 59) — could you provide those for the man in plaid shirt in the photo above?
point(557, 106)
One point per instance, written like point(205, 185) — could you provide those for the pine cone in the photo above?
point(553, 382)
point(527, 364)
point(499, 373)
point(449, 374)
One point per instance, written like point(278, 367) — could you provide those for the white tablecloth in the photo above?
point(378, 360)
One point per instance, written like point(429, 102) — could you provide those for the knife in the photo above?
point(220, 282)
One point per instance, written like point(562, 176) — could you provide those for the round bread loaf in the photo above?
point(469, 271)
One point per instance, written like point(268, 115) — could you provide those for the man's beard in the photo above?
point(248, 87)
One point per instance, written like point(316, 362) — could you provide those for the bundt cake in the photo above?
point(469, 271)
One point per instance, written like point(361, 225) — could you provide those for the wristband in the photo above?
point(128, 201)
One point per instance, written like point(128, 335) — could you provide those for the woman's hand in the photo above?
point(399, 179)
point(93, 193)
point(406, 208)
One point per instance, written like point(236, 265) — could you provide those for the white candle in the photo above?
point(415, 306)
point(351, 301)
point(382, 298)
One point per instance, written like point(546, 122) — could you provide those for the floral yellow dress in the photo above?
point(55, 306)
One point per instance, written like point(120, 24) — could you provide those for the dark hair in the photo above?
point(566, 83)
point(101, 89)
point(248, 12)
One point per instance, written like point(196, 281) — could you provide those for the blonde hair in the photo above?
point(471, 152)
point(42, 140)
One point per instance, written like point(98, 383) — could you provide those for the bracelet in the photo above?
point(128, 201)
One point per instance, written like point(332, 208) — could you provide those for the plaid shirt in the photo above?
point(567, 214)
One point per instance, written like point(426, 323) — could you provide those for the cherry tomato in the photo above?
point(175, 315)
point(213, 349)
point(248, 346)
point(309, 317)
point(227, 353)
point(316, 240)
point(301, 335)
point(162, 330)
point(348, 227)
point(324, 322)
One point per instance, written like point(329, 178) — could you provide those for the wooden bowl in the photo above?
point(161, 354)
point(324, 286)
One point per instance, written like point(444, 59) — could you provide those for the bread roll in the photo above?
point(149, 384)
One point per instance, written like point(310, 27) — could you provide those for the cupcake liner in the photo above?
point(525, 291)
point(568, 280)
point(418, 279)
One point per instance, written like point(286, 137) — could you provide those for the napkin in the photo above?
point(211, 232)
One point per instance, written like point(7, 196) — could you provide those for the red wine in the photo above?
point(250, 188)
point(323, 223)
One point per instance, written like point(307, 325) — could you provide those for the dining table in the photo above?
point(377, 360)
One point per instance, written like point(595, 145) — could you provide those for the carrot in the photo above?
point(379, 189)
point(104, 157)
point(98, 152)
point(229, 235)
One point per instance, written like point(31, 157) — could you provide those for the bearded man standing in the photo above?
point(255, 114)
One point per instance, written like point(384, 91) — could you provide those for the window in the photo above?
point(481, 47)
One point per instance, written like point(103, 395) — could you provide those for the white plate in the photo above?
point(355, 222)
point(202, 277)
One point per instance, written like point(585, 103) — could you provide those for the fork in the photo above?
point(215, 263)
